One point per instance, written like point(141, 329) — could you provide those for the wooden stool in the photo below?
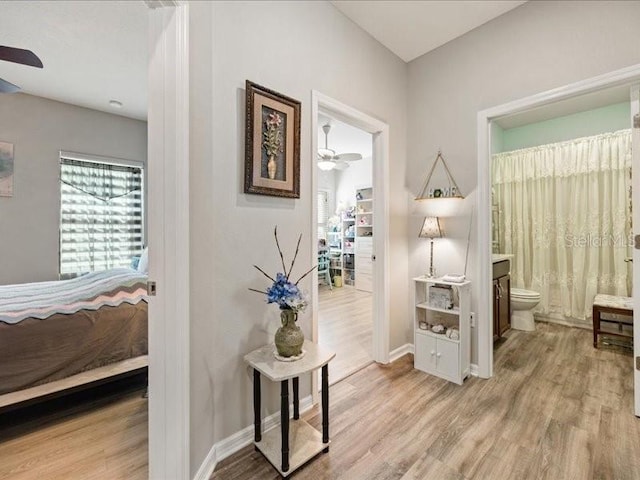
point(611, 304)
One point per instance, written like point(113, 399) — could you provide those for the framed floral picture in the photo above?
point(272, 143)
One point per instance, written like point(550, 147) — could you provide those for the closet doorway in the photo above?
point(350, 235)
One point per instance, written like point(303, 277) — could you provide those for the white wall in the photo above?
point(358, 175)
point(39, 128)
point(327, 182)
point(536, 47)
point(285, 46)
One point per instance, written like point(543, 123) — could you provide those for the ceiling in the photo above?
point(96, 51)
point(412, 28)
point(344, 138)
point(92, 52)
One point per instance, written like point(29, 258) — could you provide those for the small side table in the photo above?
point(622, 306)
point(294, 443)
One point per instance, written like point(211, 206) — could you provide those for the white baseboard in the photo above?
point(208, 465)
point(473, 370)
point(400, 351)
point(559, 319)
point(230, 445)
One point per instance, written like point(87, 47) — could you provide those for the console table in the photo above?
point(292, 444)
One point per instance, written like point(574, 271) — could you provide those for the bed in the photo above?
point(51, 332)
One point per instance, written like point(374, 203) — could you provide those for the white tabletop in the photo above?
point(265, 362)
point(500, 257)
point(439, 281)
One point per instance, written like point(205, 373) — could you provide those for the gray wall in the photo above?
point(39, 128)
point(531, 49)
point(293, 48)
point(431, 103)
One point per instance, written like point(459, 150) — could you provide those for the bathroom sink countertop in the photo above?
point(499, 257)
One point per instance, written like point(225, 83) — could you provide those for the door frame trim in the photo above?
point(624, 76)
point(635, 200)
point(168, 177)
point(380, 133)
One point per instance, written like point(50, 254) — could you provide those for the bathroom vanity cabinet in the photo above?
point(501, 298)
point(449, 304)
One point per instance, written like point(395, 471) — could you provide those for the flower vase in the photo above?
point(271, 167)
point(289, 337)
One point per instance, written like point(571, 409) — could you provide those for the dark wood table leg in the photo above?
point(596, 326)
point(325, 406)
point(284, 423)
point(256, 406)
point(296, 399)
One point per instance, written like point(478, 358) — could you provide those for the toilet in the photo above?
point(522, 304)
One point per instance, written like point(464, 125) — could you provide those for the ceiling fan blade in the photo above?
point(6, 87)
point(19, 55)
point(349, 157)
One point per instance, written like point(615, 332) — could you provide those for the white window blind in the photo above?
point(323, 213)
point(101, 216)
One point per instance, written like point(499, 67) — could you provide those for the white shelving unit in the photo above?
point(364, 212)
point(364, 239)
point(435, 353)
point(334, 244)
point(348, 249)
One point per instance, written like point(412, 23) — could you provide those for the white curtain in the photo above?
point(565, 213)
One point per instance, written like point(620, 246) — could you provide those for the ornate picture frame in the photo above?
point(272, 143)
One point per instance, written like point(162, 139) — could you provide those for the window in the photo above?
point(323, 214)
point(101, 213)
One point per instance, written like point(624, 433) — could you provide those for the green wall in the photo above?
point(497, 138)
point(592, 122)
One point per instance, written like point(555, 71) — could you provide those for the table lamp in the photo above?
point(431, 229)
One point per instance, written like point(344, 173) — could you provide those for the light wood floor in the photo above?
point(345, 325)
point(557, 409)
point(105, 440)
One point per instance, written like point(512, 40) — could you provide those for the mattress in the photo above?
point(87, 292)
point(69, 339)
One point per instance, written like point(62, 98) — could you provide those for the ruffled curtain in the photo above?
point(565, 213)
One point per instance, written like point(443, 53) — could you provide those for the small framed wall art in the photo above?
point(6, 169)
point(272, 143)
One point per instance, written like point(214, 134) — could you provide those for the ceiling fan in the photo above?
point(17, 55)
point(328, 159)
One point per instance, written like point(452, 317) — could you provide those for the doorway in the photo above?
point(168, 145)
point(345, 244)
point(79, 126)
point(378, 255)
point(623, 78)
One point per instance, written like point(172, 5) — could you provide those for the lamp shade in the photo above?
point(430, 228)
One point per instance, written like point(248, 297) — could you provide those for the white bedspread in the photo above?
point(92, 291)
